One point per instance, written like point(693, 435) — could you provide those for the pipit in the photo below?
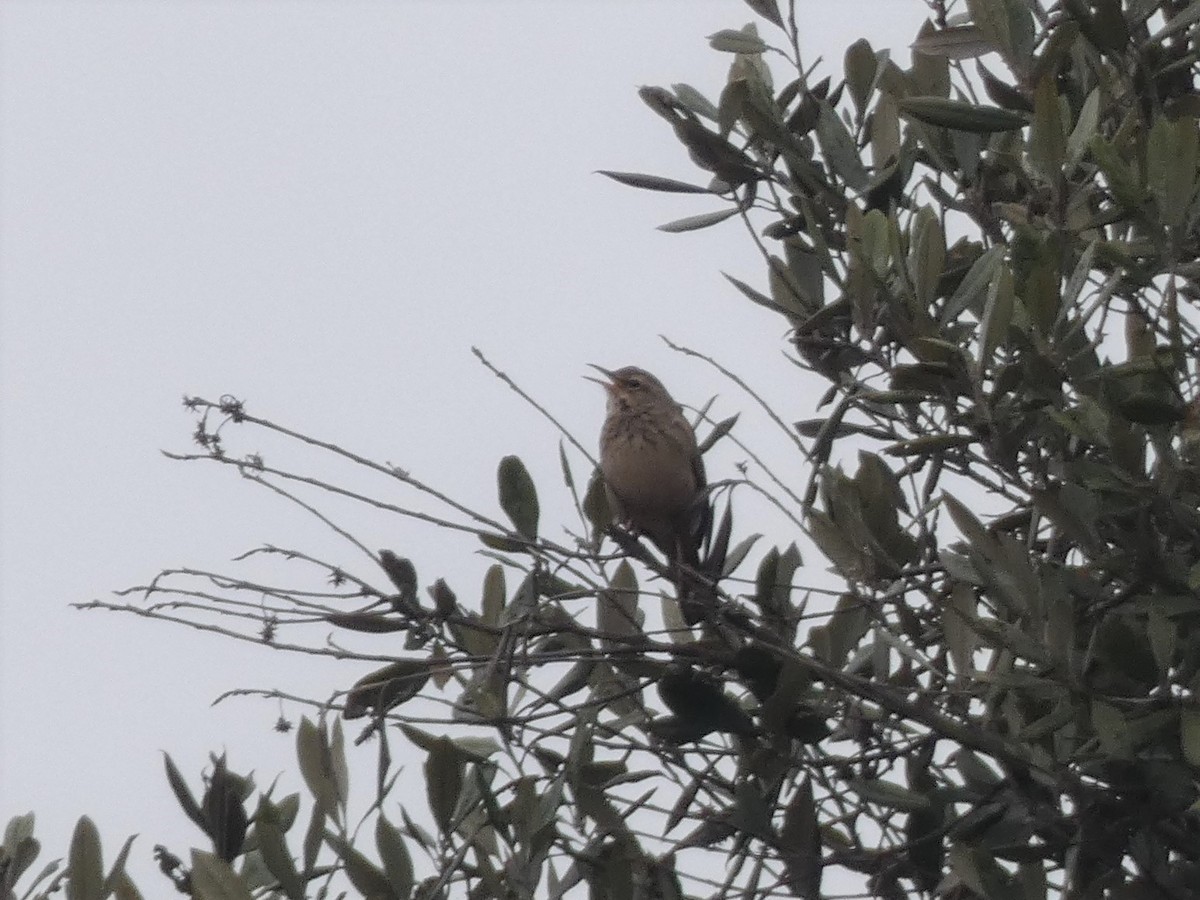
point(654, 477)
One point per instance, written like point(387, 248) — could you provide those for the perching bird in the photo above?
point(654, 477)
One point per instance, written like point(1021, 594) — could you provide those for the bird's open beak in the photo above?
point(607, 385)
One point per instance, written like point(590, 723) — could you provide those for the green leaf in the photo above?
point(929, 75)
point(961, 115)
point(1008, 24)
point(654, 182)
point(889, 794)
point(1047, 142)
point(1189, 735)
point(861, 66)
point(500, 543)
point(366, 877)
point(1084, 131)
point(1112, 729)
point(789, 561)
point(885, 132)
point(800, 841)
point(768, 9)
point(123, 887)
point(117, 875)
point(731, 40)
point(401, 573)
point(387, 687)
point(444, 768)
point(337, 754)
point(786, 289)
point(1152, 409)
point(595, 504)
point(1002, 93)
point(972, 289)
point(989, 18)
point(738, 553)
point(367, 623)
point(839, 148)
point(617, 608)
point(834, 640)
point(473, 749)
point(997, 316)
point(1105, 27)
point(397, 862)
point(955, 42)
point(1121, 178)
point(214, 879)
point(927, 256)
point(764, 580)
point(518, 496)
point(495, 594)
point(1164, 638)
point(85, 864)
point(957, 618)
point(719, 430)
point(976, 773)
point(312, 753)
point(696, 102)
point(695, 223)
point(969, 526)
point(268, 828)
point(874, 243)
point(837, 547)
point(18, 830)
point(224, 810)
point(756, 296)
point(929, 444)
point(1171, 167)
point(184, 795)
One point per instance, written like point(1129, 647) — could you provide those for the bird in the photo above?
point(654, 477)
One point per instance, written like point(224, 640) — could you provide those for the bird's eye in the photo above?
point(634, 382)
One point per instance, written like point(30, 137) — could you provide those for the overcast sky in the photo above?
point(318, 207)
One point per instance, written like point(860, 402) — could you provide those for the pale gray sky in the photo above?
point(318, 207)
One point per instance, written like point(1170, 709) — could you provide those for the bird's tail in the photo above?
point(700, 562)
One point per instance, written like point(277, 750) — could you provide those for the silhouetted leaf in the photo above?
point(401, 573)
point(225, 811)
point(370, 623)
point(655, 183)
point(444, 767)
point(518, 496)
point(800, 838)
point(183, 794)
point(85, 864)
point(756, 296)
point(695, 223)
point(388, 687)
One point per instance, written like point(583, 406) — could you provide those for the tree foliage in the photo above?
point(985, 262)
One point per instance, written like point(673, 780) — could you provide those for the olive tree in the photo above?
point(984, 263)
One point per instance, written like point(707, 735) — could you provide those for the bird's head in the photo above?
point(631, 387)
